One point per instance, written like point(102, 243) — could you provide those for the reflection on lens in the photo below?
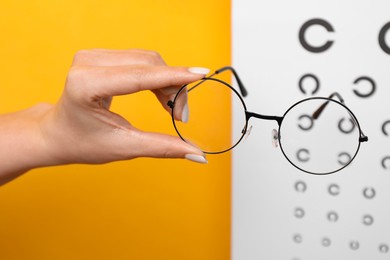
point(209, 126)
point(324, 145)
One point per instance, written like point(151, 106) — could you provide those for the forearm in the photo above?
point(22, 144)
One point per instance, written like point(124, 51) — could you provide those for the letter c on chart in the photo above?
point(309, 125)
point(342, 129)
point(382, 43)
point(301, 157)
point(384, 160)
point(372, 83)
point(347, 158)
point(306, 44)
point(334, 189)
point(312, 76)
point(384, 127)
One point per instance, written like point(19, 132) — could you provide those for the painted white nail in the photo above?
point(196, 158)
point(185, 114)
point(199, 70)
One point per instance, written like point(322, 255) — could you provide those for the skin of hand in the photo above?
point(80, 128)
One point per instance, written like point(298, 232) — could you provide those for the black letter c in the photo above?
point(382, 41)
point(302, 38)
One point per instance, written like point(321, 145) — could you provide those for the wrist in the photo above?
point(23, 145)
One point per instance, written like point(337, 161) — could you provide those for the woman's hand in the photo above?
point(80, 128)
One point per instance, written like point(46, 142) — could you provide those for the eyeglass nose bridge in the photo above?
point(275, 133)
point(278, 119)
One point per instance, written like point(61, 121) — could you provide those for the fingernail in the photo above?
point(185, 114)
point(199, 70)
point(196, 158)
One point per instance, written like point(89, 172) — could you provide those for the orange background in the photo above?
point(139, 209)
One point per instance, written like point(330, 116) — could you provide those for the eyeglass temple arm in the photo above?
point(243, 90)
point(317, 113)
point(244, 93)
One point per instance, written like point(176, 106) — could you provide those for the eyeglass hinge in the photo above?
point(171, 104)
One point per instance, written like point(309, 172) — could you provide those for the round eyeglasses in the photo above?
point(317, 135)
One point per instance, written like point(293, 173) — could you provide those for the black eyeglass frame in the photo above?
point(279, 119)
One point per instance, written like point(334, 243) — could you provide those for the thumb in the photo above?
point(166, 146)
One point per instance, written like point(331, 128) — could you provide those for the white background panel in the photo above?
point(270, 60)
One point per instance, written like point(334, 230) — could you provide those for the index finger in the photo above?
point(121, 80)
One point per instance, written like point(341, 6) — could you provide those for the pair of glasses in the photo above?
point(317, 135)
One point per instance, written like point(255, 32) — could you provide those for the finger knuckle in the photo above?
point(155, 57)
point(78, 81)
point(154, 54)
point(81, 55)
point(77, 73)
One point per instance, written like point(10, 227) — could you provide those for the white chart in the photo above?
point(285, 51)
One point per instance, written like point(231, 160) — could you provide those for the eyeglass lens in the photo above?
point(209, 126)
point(322, 145)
